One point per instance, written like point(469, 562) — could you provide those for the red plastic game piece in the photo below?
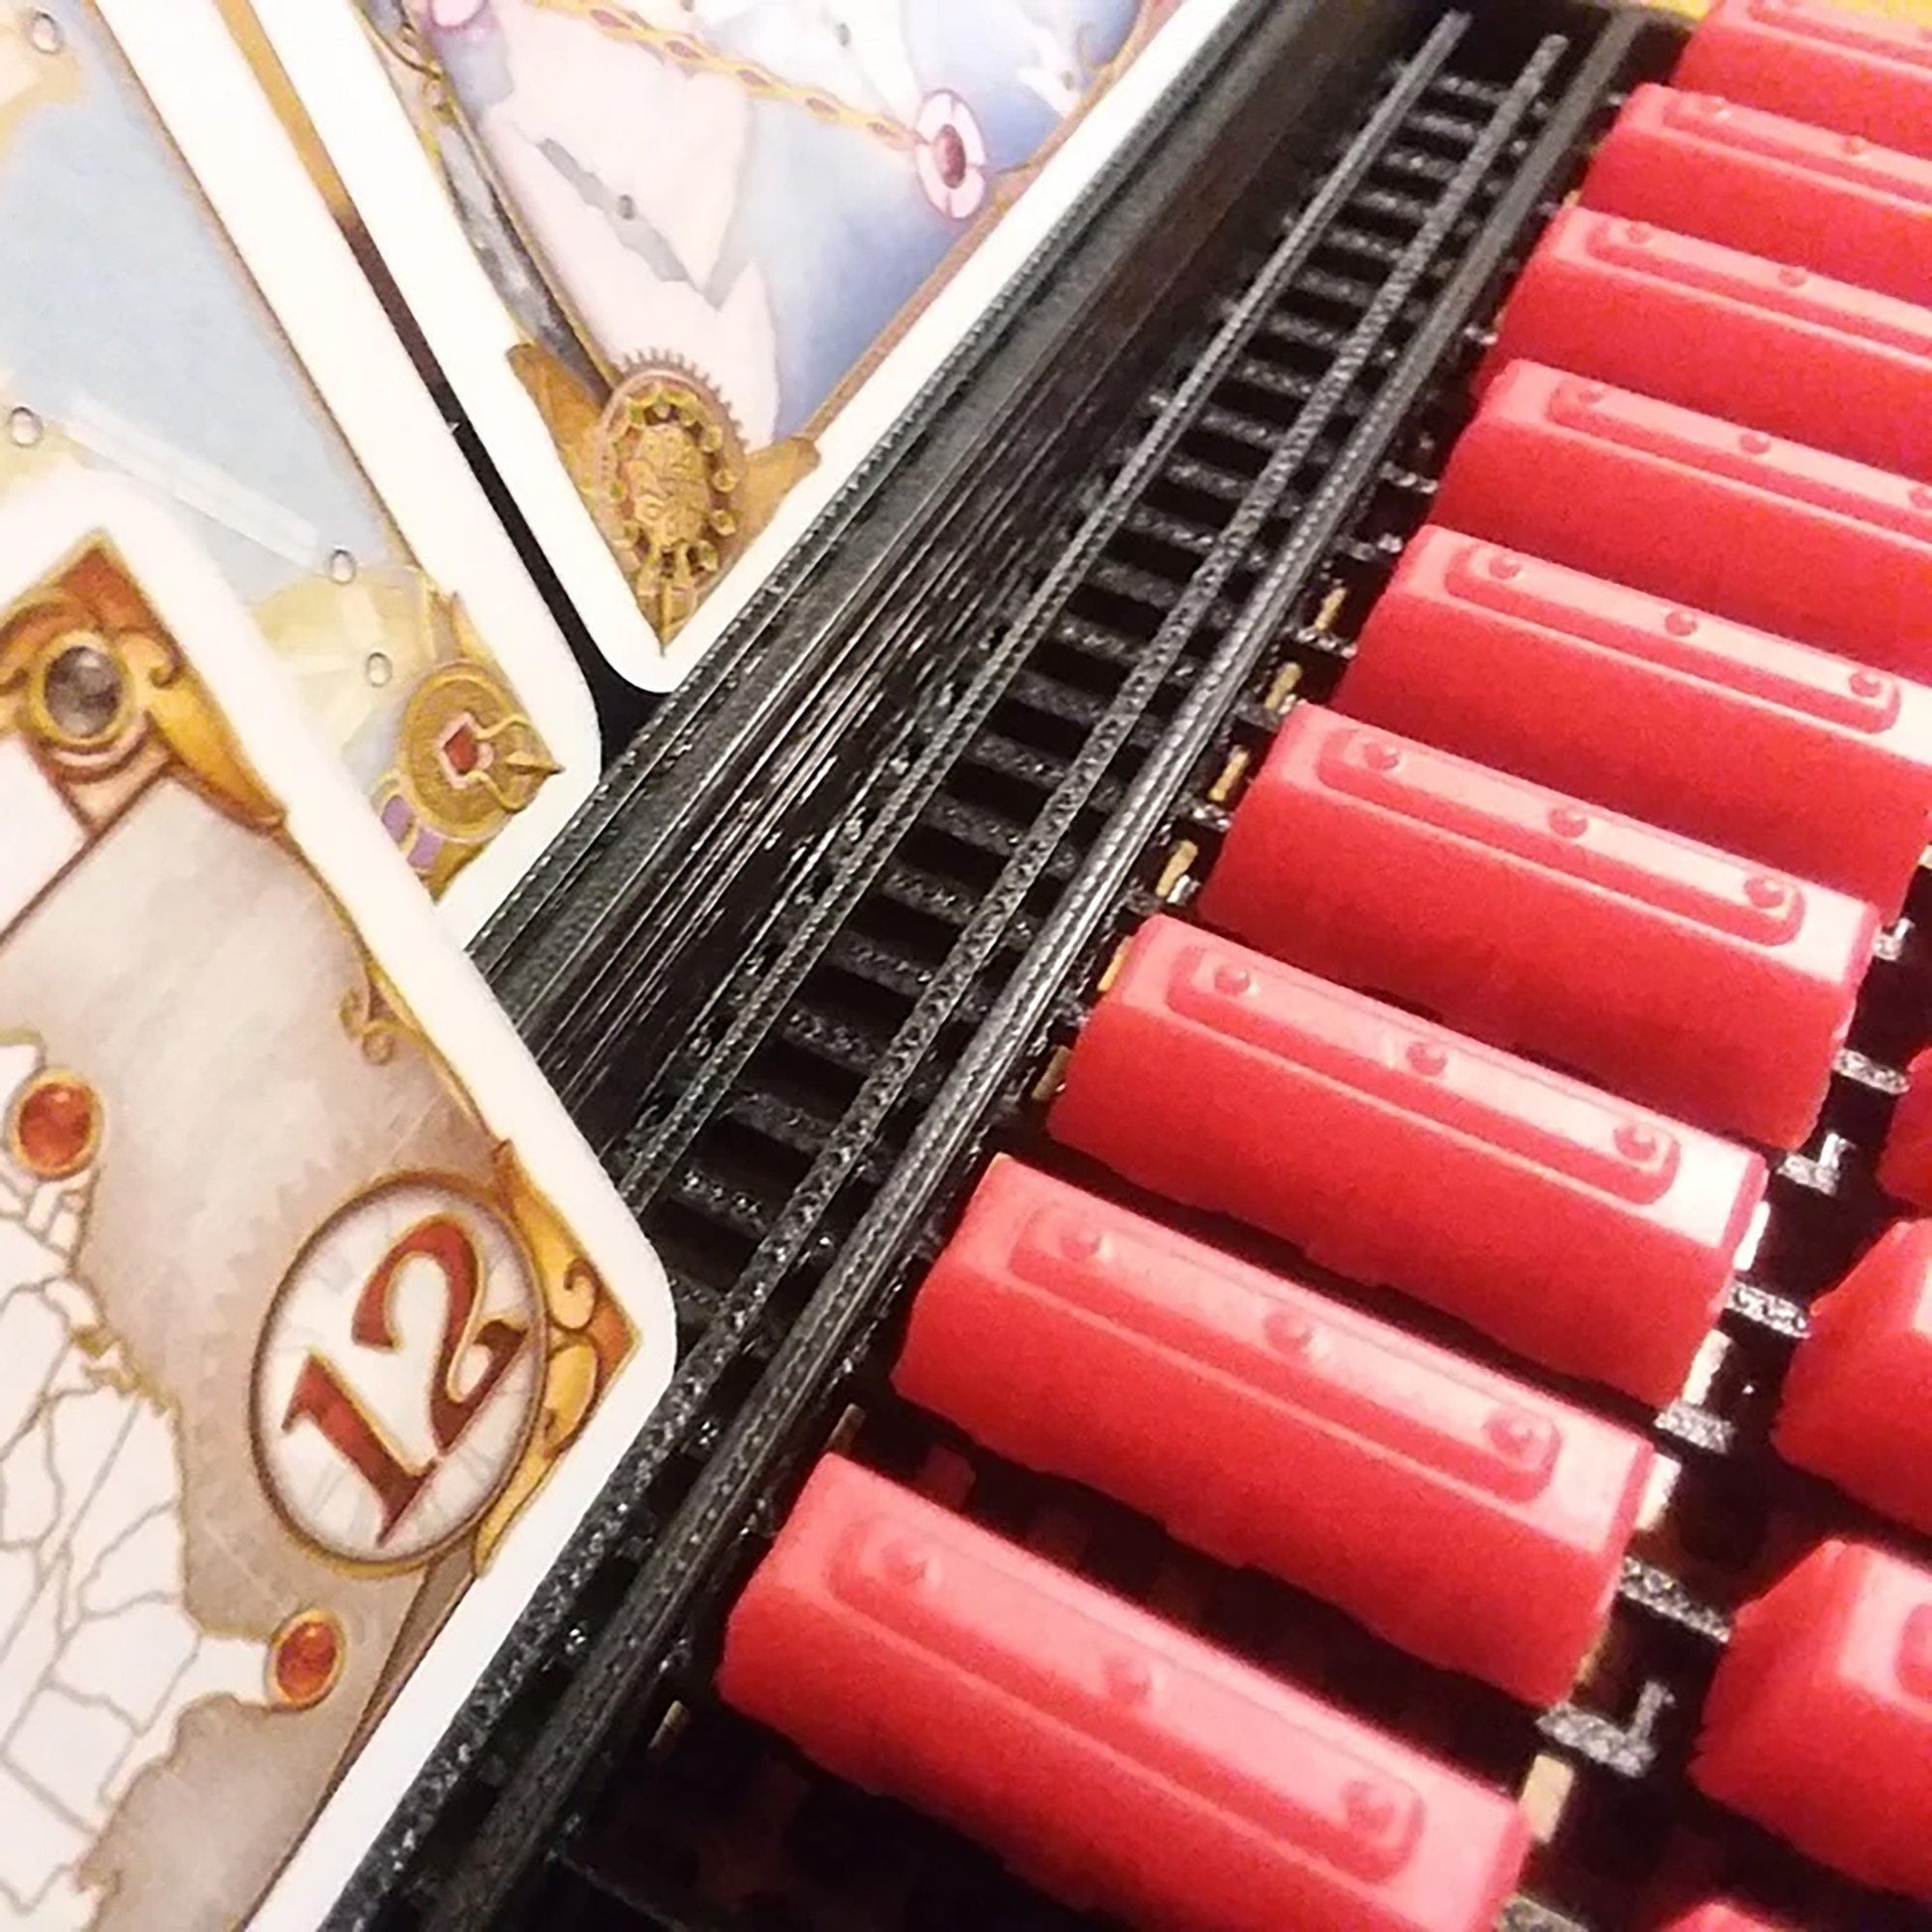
point(1761, 341)
point(1719, 1917)
point(1758, 745)
point(1906, 1164)
point(1858, 1402)
point(1702, 983)
point(1462, 1515)
point(1107, 1756)
point(1707, 166)
point(1819, 1721)
point(1723, 519)
point(1852, 70)
point(1586, 1233)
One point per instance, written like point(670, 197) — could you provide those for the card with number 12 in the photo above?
point(319, 1327)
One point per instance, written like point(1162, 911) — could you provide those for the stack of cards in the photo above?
point(319, 1326)
point(271, 411)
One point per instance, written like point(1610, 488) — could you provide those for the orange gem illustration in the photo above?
point(305, 1658)
point(55, 1126)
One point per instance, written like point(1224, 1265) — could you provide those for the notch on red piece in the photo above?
point(1759, 746)
point(1714, 516)
point(1719, 1917)
point(1905, 1163)
point(1761, 342)
point(1464, 1516)
point(1852, 70)
point(1858, 1402)
point(1588, 1234)
point(1701, 983)
point(1107, 1756)
point(1705, 165)
point(1819, 1721)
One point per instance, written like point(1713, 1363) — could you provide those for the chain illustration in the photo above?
point(682, 50)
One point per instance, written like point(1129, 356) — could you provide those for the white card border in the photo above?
point(42, 524)
point(206, 94)
point(338, 74)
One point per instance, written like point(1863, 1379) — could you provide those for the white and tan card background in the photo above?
point(163, 1525)
point(177, 306)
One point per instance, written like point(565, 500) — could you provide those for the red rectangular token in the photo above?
point(1819, 1721)
point(1906, 1162)
point(1737, 521)
point(1719, 1917)
point(1464, 1516)
point(1857, 1406)
point(1587, 1234)
point(1707, 984)
point(1759, 746)
point(1112, 1759)
point(1852, 70)
point(1835, 203)
point(1761, 341)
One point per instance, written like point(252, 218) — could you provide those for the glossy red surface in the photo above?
point(1466, 1516)
point(1819, 1721)
point(1587, 1234)
point(1109, 1756)
point(1755, 340)
point(1771, 184)
point(1850, 69)
point(1715, 515)
point(1752, 742)
point(1905, 1162)
point(1858, 1402)
point(1693, 980)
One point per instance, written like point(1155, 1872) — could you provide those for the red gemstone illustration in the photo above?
point(949, 153)
point(305, 1658)
point(55, 1126)
point(463, 746)
point(949, 156)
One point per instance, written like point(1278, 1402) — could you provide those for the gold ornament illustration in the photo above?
point(664, 470)
point(669, 470)
point(470, 758)
point(90, 674)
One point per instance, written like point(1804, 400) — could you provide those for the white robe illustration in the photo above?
point(99, 1655)
point(636, 247)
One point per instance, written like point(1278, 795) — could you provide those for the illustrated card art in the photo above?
point(686, 261)
point(269, 405)
point(319, 1327)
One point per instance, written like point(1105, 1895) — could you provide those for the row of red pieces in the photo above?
point(1461, 1514)
point(1584, 1234)
point(1785, 754)
point(1121, 1764)
point(1727, 261)
point(1055, 1324)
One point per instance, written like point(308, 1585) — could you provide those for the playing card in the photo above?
point(686, 261)
point(270, 406)
point(319, 1327)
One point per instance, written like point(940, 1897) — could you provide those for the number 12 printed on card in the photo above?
point(319, 1326)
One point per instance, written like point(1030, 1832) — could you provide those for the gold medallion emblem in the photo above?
point(663, 469)
point(469, 760)
point(668, 472)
